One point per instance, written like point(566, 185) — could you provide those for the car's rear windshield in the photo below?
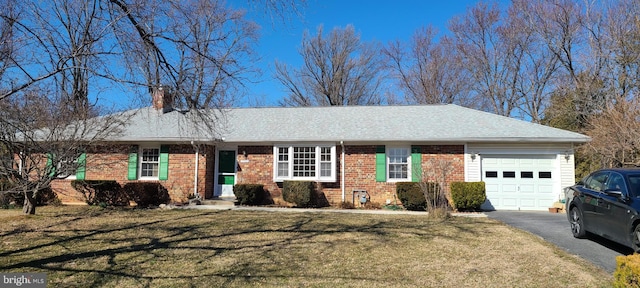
point(634, 183)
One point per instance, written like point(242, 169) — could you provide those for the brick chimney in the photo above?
point(161, 100)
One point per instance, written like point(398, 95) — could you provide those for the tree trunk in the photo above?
point(29, 206)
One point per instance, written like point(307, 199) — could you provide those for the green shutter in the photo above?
point(416, 164)
point(132, 173)
point(82, 166)
point(163, 170)
point(381, 164)
point(50, 167)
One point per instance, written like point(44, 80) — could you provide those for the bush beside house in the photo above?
point(10, 199)
point(249, 194)
point(101, 192)
point(300, 193)
point(411, 196)
point(468, 195)
point(111, 193)
point(147, 194)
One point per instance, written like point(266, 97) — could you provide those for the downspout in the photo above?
point(20, 164)
point(195, 173)
point(342, 170)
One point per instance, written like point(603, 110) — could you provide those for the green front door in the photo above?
point(226, 173)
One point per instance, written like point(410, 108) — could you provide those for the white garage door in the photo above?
point(519, 182)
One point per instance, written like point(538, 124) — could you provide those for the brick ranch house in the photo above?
point(343, 149)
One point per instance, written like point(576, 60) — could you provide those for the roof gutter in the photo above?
point(163, 139)
point(429, 139)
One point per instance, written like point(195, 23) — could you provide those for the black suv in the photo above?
point(606, 203)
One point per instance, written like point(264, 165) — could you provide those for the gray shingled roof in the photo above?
point(148, 124)
point(424, 123)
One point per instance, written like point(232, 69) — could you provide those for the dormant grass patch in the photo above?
point(94, 247)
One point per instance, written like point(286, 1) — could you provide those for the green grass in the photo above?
point(93, 247)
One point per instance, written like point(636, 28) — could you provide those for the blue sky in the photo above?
point(375, 20)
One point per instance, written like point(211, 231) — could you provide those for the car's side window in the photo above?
point(616, 182)
point(634, 185)
point(596, 182)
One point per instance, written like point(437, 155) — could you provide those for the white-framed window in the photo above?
point(149, 162)
point(398, 164)
point(305, 162)
point(67, 167)
point(282, 162)
point(326, 162)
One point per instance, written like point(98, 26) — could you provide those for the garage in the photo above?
point(520, 182)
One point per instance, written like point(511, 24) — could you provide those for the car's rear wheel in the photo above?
point(635, 239)
point(577, 223)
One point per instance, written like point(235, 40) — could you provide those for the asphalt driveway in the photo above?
point(554, 228)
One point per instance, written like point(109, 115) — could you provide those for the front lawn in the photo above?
point(94, 247)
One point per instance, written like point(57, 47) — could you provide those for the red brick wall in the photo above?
point(208, 155)
point(360, 170)
point(257, 168)
point(111, 163)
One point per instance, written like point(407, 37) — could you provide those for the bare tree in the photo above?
point(338, 69)
point(435, 186)
point(44, 138)
point(280, 10)
point(560, 24)
point(58, 46)
point(7, 36)
point(428, 72)
point(491, 58)
point(620, 37)
point(48, 112)
point(201, 50)
point(616, 134)
point(596, 44)
point(604, 91)
point(575, 41)
point(536, 65)
point(69, 50)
